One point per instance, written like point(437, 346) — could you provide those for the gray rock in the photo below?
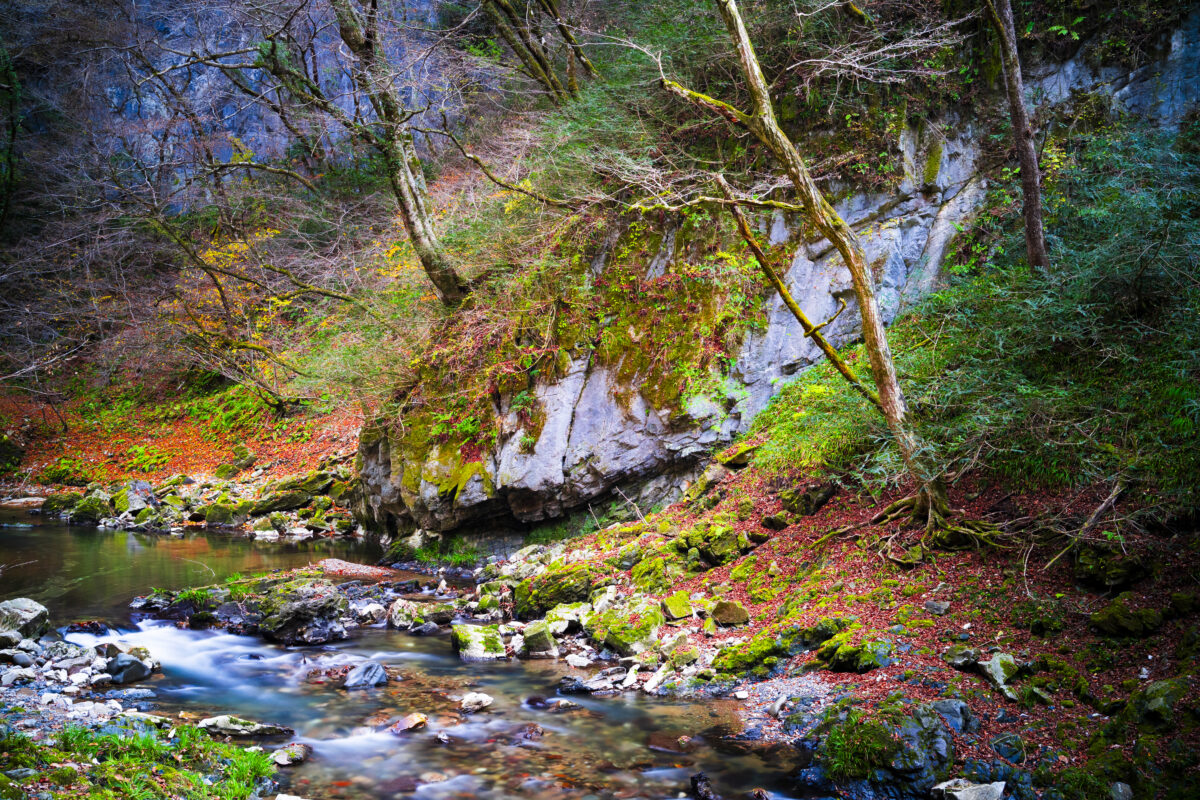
point(1009, 746)
point(957, 715)
point(999, 670)
point(228, 725)
point(18, 675)
point(1120, 791)
point(961, 789)
point(294, 753)
point(426, 629)
point(475, 701)
point(27, 617)
point(365, 676)
point(937, 607)
point(124, 668)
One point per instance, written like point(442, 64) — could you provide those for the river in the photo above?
point(627, 746)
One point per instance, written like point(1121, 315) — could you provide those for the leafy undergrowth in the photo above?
point(131, 764)
point(105, 437)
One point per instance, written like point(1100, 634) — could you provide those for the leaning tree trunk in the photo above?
point(1035, 236)
point(395, 143)
point(764, 125)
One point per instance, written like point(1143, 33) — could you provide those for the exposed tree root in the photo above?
point(930, 508)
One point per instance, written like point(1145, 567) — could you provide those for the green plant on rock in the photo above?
point(857, 746)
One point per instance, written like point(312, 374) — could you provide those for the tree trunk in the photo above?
point(373, 78)
point(764, 125)
point(1031, 190)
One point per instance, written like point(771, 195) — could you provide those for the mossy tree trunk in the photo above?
point(1031, 189)
point(931, 504)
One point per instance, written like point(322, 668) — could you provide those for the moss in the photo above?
point(535, 596)
point(933, 163)
point(1118, 619)
point(61, 502)
point(856, 746)
point(653, 575)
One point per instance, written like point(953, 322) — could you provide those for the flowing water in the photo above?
point(626, 746)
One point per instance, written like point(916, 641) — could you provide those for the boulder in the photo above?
point(539, 641)
point(404, 614)
point(567, 617)
point(535, 596)
point(1119, 619)
point(281, 501)
point(807, 501)
point(478, 642)
point(677, 606)
point(999, 670)
point(125, 668)
point(303, 611)
point(365, 676)
point(27, 617)
point(228, 725)
point(91, 510)
point(61, 503)
point(727, 612)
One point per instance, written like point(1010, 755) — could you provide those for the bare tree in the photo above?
point(930, 505)
point(519, 25)
point(1035, 237)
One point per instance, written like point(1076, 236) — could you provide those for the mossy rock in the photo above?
point(727, 612)
point(723, 546)
point(281, 501)
point(1108, 568)
point(487, 603)
point(146, 516)
point(654, 575)
point(478, 642)
point(61, 502)
point(91, 510)
point(807, 501)
point(219, 515)
point(677, 606)
point(226, 471)
point(627, 631)
point(840, 656)
point(1157, 707)
point(539, 640)
point(1118, 619)
point(316, 482)
point(535, 596)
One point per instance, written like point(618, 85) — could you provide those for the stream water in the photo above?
point(613, 747)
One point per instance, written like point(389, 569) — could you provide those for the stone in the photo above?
point(303, 611)
point(18, 675)
point(539, 642)
point(1119, 619)
point(937, 607)
point(775, 522)
point(409, 723)
point(294, 753)
point(578, 661)
point(281, 501)
point(90, 510)
point(727, 612)
point(957, 715)
point(403, 614)
point(124, 668)
point(1009, 746)
point(27, 617)
point(478, 642)
point(961, 789)
point(999, 670)
point(475, 701)
point(365, 676)
point(426, 629)
point(1120, 791)
point(567, 617)
point(807, 501)
point(370, 614)
point(677, 606)
point(229, 725)
point(535, 596)
point(961, 657)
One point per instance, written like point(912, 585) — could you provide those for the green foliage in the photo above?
point(856, 746)
point(138, 763)
point(67, 471)
point(1060, 381)
point(456, 551)
point(146, 458)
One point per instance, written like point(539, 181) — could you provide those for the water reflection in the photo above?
point(86, 573)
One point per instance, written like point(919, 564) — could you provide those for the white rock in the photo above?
point(630, 677)
point(578, 662)
point(961, 789)
point(742, 695)
point(475, 701)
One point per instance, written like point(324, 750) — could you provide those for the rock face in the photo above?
point(597, 435)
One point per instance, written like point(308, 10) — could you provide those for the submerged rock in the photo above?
point(365, 676)
point(409, 723)
point(294, 753)
point(124, 668)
